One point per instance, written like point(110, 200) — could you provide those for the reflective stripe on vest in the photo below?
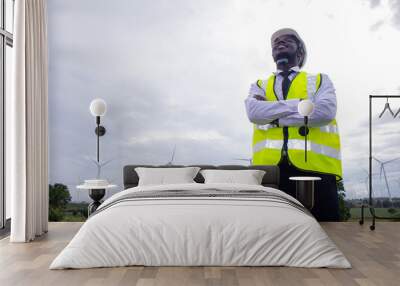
point(265, 126)
point(263, 84)
point(314, 147)
point(311, 86)
point(271, 144)
point(299, 145)
point(330, 128)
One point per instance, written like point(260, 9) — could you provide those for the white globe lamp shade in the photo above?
point(305, 107)
point(98, 107)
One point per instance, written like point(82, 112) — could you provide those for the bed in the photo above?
point(197, 224)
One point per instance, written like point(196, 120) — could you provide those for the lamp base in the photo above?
point(96, 195)
point(305, 193)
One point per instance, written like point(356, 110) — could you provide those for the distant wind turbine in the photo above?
point(366, 180)
point(172, 157)
point(99, 166)
point(383, 171)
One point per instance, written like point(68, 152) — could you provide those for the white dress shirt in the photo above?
point(263, 112)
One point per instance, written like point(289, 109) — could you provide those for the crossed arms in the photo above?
point(260, 111)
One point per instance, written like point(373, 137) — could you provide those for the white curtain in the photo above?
point(28, 124)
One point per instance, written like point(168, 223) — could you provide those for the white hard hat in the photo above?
point(288, 31)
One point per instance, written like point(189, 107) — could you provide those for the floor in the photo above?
point(375, 256)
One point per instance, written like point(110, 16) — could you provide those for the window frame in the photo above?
point(6, 39)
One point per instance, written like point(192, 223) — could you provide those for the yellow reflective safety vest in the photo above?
point(323, 144)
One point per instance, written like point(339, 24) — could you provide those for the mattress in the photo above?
point(201, 225)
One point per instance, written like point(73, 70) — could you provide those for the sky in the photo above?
point(175, 74)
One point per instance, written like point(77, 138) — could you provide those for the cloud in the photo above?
point(375, 27)
point(393, 6)
point(374, 3)
point(162, 135)
point(154, 67)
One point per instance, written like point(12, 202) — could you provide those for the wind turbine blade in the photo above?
point(367, 174)
point(106, 162)
point(391, 160)
point(387, 184)
point(173, 154)
point(95, 162)
point(376, 159)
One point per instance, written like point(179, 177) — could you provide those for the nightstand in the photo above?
point(96, 193)
point(305, 190)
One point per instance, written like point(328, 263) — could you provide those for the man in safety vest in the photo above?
point(279, 130)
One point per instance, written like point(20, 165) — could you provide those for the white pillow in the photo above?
point(249, 177)
point(165, 176)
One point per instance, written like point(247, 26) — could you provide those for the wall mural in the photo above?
point(175, 77)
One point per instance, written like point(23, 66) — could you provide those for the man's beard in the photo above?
point(285, 58)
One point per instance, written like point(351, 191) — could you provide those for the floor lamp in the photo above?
point(98, 108)
point(305, 108)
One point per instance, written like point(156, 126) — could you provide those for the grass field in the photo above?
point(73, 218)
point(75, 212)
point(380, 212)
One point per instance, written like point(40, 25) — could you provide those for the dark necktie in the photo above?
point(285, 82)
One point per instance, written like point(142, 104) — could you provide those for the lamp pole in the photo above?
point(98, 138)
point(97, 108)
point(305, 137)
point(305, 108)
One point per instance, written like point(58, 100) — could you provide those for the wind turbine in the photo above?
point(366, 180)
point(172, 157)
point(382, 164)
point(99, 166)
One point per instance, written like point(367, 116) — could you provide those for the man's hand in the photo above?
point(256, 92)
point(259, 97)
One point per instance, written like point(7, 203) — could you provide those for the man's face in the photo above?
point(284, 47)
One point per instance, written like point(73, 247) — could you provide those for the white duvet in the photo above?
point(200, 231)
